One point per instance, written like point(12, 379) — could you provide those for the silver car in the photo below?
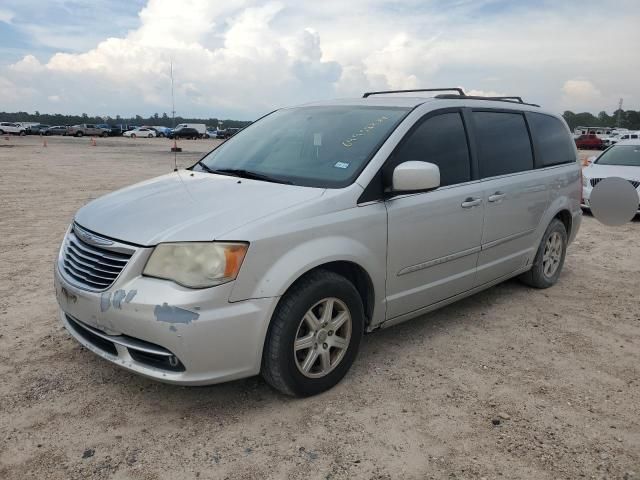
point(279, 249)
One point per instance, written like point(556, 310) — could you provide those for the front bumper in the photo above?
point(166, 332)
point(586, 198)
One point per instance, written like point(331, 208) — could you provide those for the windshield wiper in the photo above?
point(239, 172)
point(204, 166)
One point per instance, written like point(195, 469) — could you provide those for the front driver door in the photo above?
point(434, 237)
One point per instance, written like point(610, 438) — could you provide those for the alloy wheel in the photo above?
point(322, 338)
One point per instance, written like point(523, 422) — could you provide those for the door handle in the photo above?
point(471, 202)
point(496, 197)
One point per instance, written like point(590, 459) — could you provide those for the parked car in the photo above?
point(12, 128)
point(277, 251)
point(37, 129)
point(161, 131)
point(185, 132)
point(221, 133)
point(87, 129)
point(201, 128)
point(621, 160)
point(589, 142)
point(140, 132)
point(56, 130)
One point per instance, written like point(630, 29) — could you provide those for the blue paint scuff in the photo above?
point(167, 313)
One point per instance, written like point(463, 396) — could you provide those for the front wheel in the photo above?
point(79, 134)
point(105, 134)
point(549, 258)
point(314, 335)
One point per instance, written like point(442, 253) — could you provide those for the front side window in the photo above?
point(503, 143)
point(325, 146)
point(623, 155)
point(440, 140)
point(554, 144)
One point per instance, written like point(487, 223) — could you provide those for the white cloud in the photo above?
point(6, 16)
point(244, 58)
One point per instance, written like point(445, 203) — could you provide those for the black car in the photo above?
point(185, 132)
point(56, 130)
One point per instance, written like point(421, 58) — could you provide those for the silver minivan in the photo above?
point(280, 248)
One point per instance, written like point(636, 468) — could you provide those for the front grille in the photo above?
point(595, 181)
point(91, 267)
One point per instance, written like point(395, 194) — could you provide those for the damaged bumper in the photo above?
point(166, 332)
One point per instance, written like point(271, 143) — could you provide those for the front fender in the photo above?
point(356, 235)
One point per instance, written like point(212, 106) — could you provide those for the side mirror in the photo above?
point(415, 176)
point(590, 160)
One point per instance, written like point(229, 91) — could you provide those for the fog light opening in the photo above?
point(173, 361)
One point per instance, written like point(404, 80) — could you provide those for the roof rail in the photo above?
point(510, 99)
point(455, 89)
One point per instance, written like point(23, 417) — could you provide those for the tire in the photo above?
point(282, 366)
point(149, 136)
point(161, 135)
point(22, 133)
point(105, 134)
point(541, 275)
point(79, 134)
point(1, 132)
point(133, 135)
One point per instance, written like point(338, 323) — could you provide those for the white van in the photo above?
point(200, 127)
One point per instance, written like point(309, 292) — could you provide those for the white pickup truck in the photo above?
point(13, 128)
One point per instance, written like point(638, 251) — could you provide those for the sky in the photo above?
point(241, 58)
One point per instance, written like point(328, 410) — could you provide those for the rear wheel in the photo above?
point(314, 335)
point(105, 134)
point(150, 135)
point(79, 134)
point(549, 258)
point(133, 135)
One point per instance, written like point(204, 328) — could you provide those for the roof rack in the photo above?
point(510, 99)
point(459, 95)
point(455, 89)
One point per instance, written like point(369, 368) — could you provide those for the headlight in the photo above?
point(195, 264)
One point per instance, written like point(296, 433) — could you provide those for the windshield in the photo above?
point(624, 155)
point(312, 146)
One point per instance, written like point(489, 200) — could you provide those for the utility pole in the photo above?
point(619, 113)
point(175, 147)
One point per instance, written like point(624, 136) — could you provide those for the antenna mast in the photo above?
point(619, 113)
point(175, 149)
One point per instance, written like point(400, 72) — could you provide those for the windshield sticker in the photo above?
point(341, 165)
point(317, 139)
point(348, 143)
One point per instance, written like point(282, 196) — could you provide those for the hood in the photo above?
point(604, 171)
point(187, 206)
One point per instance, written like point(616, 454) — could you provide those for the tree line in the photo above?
point(629, 119)
point(155, 119)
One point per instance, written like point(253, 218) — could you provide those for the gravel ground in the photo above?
point(510, 383)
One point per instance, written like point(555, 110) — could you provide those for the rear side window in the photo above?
point(503, 143)
point(554, 145)
point(440, 140)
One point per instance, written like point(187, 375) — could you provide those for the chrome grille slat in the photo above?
point(118, 257)
point(83, 279)
point(92, 267)
point(73, 264)
point(90, 262)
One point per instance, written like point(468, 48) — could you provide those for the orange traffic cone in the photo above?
point(175, 147)
point(93, 141)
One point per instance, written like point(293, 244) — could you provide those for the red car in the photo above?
point(589, 142)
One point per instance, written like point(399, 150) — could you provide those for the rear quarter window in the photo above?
point(552, 141)
point(503, 143)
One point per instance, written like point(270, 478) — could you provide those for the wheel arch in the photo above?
point(353, 272)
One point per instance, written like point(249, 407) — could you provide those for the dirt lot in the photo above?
point(557, 370)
